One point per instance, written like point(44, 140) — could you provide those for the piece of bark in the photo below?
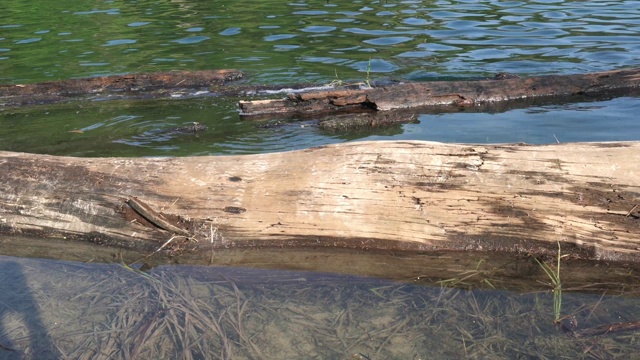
point(404, 195)
point(454, 94)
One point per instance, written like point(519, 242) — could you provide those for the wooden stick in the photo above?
point(153, 217)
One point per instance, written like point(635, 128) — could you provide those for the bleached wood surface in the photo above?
point(401, 195)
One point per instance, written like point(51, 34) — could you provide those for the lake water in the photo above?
point(140, 128)
point(56, 309)
point(281, 42)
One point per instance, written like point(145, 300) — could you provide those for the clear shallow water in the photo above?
point(75, 310)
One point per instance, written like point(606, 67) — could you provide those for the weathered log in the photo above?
point(418, 196)
point(160, 84)
point(452, 94)
point(329, 105)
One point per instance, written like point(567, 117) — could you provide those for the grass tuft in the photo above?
point(553, 272)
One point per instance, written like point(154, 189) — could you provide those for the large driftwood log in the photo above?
point(418, 196)
point(447, 94)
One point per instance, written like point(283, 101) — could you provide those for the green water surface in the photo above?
point(280, 42)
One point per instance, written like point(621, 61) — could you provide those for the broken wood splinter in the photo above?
point(153, 217)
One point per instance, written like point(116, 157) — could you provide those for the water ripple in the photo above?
point(455, 37)
point(192, 40)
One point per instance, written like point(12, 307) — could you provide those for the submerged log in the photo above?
point(391, 196)
point(160, 84)
point(447, 94)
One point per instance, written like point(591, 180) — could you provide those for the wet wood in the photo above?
point(336, 109)
point(386, 196)
point(450, 94)
point(159, 84)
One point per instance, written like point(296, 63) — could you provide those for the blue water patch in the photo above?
point(415, 54)
point(28, 41)
point(119, 42)
point(386, 41)
point(231, 31)
point(323, 59)
point(139, 23)
point(345, 20)
point(416, 21)
point(362, 31)
point(318, 29)
point(310, 12)
point(92, 12)
point(349, 13)
point(438, 47)
point(192, 40)
point(279, 37)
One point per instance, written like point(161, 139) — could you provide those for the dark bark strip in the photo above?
point(159, 84)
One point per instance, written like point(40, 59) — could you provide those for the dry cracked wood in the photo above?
point(365, 195)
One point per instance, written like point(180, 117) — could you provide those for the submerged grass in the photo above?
point(472, 277)
point(217, 313)
point(553, 272)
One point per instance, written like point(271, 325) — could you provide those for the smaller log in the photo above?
point(453, 94)
point(369, 120)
